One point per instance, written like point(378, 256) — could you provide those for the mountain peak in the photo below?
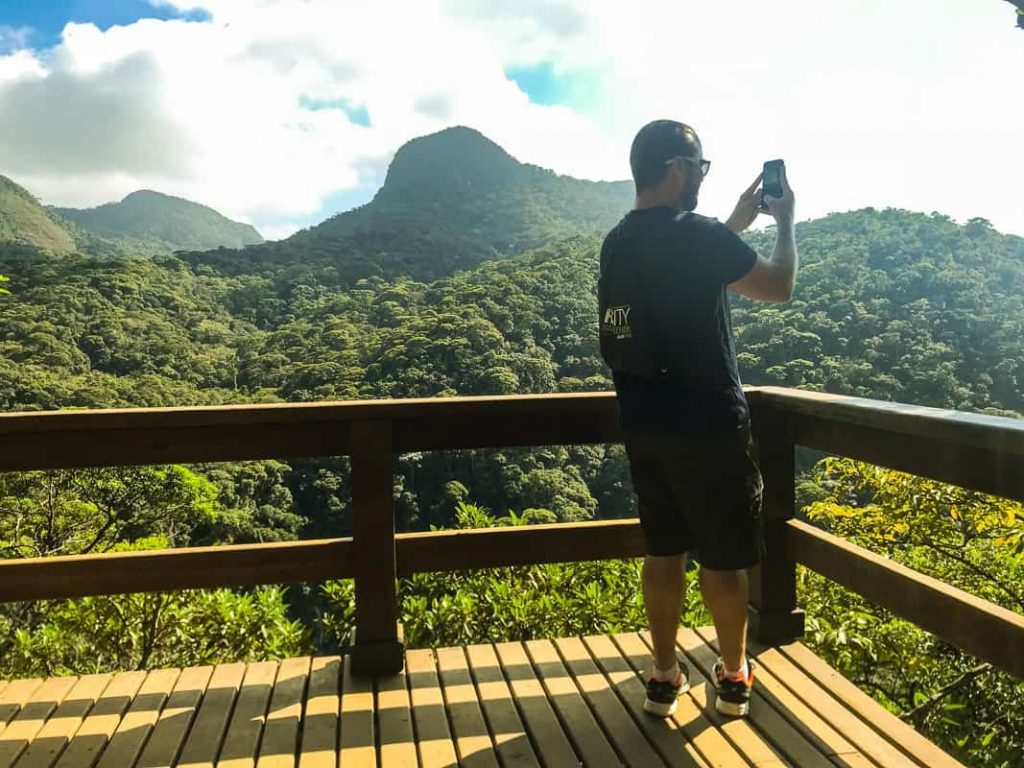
point(451, 200)
point(457, 158)
point(150, 194)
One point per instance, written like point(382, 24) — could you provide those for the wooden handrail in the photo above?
point(119, 573)
point(990, 632)
point(975, 451)
point(292, 562)
point(107, 438)
point(979, 452)
point(960, 428)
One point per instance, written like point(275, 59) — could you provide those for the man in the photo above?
point(684, 416)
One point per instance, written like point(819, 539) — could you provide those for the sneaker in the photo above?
point(661, 695)
point(733, 695)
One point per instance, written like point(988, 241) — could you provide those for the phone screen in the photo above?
point(771, 183)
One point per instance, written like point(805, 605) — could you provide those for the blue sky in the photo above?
point(45, 19)
point(283, 112)
point(544, 84)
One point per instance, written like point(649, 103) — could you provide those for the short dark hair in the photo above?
point(655, 143)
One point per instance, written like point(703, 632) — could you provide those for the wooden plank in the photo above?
point(629, 740)
point(281, 735)
point(358, 732)
point(545, 731)
point(669, 736)
point(56, 733)
point(247, 719)
point(744, 745)
point(510, 737)
point(14, 696)
point(22, 729)
point(816, 727)
point(898, 733)
point(441, 551)
point(764, 734)
point(979, 627)
point(394, 721)
point(96, 730)
point(211, 720)
point(236, 565)
point(583, 730)
point(433, 736)
point(816, 696)
point(472, 740)
point(143, 715)
point(320, 719)
point(377, 649)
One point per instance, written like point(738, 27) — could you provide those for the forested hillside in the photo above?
point(468, 274)
point(870, 318)
point(897, 306)
point(23, 220)
point(169, 223)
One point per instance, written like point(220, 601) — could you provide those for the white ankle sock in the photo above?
point(667, 675)
point(744, 670)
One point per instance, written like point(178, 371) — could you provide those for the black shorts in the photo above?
point(699, 494)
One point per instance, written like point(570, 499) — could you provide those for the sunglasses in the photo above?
point(705, 165)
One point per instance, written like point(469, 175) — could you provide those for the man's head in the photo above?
point(668, 163)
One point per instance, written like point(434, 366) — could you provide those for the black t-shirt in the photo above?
point(687, 262)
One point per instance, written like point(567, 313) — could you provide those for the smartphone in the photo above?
point(771, 181)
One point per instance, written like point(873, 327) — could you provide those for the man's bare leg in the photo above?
point(664, 585)
point(726, 595)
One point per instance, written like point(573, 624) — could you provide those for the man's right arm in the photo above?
point(773, 279)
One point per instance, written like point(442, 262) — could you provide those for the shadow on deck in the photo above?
point(560, 702)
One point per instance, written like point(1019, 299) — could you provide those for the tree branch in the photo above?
point(978, 570)
point(943, 692)
point(863, 683)
point(99, 535)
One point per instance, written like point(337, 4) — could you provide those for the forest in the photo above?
point(471, 274)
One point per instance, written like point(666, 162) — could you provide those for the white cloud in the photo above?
point(20, 65)
point(870, 103)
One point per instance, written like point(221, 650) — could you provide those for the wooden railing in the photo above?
point(979, 452)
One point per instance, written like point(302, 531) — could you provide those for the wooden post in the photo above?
point(774, 617)
point(376, 643)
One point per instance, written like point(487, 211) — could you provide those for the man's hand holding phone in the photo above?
point(770, 193)
point(773, 279)
point(747, 208)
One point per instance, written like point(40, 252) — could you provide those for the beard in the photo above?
point(688, 198)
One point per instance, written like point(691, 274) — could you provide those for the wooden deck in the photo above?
point(540, 703)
